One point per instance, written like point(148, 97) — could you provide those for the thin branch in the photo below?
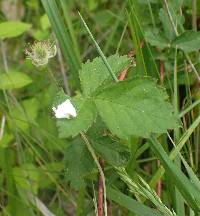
point(91, 150)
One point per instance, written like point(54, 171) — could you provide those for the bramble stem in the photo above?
point(91, 150)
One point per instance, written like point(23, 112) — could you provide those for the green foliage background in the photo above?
point(145, 128)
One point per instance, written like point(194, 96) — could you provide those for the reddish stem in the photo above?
point(159, 184)
point(162, 71)
point(100, 191)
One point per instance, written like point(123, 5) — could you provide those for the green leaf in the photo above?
point(86, 115)
point(167, 27)
point(95, 73)
point(14, 80)
point(176, 4)
point(23, 116)
point(114, 153)
point(156, 39)
point(135, 108)
point(5, 140)
point(44, 22)
point(189, 41)
point(26, 176)
point(12, 29)
point(78, 162)
point(54, 167)
point(60, 98)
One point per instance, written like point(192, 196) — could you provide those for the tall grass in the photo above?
point(33, 175)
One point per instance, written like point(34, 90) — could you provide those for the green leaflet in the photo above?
point(26, 177)
point(167, 27)
point(114, 153)
point(93, 74)
point(130, 108)
point(12, 29)
point(136, 107)
point(78, 163)
point(24, 116)
point(155, 38)
point(86, 114)
point(189, 41)
point(60, 98)
point(14, 80)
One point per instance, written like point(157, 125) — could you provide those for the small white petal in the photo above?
point(65, 110)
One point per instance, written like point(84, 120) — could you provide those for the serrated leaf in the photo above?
point(156, 39)
point(78, 163)
point(189, 41)
point(12, 29)
point(86, 114)
point(135, 108)
point(114, 153)
point(60, 98)
point(93, 74)
point(13, 80)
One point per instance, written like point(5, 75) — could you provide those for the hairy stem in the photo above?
point(100, 192)
point(91, 150)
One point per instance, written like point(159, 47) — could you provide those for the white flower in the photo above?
point(65, 110)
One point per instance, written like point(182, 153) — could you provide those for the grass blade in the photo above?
point(63, 37)
point(186, 188)
point(130, 204)
point(99, 50)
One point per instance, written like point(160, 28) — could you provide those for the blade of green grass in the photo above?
point(99, 50)
point(144, 58)
point(179, 201)
point(64, 39)
point(64, 5)
point(189, 108)
point(109, 41)
point(185, 187)
point(176, 150)
point(130, 204)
